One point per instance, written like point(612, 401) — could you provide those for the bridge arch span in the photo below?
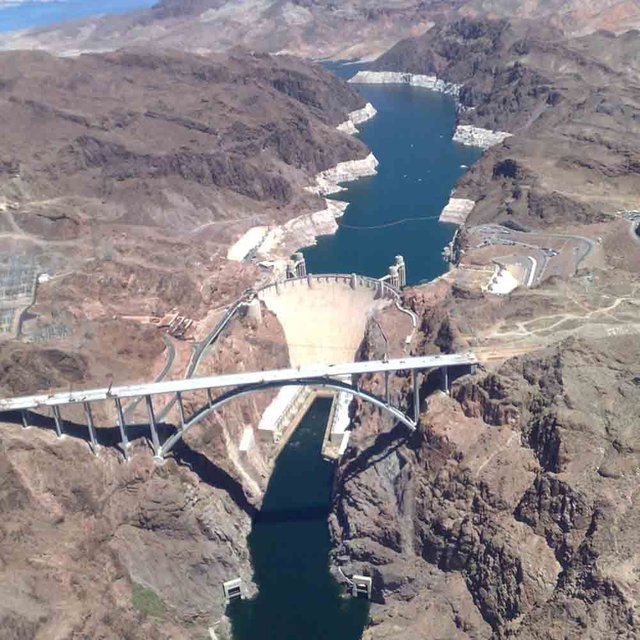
point(238, 392)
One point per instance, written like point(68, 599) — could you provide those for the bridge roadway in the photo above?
point(252, 379)
point(235, 385)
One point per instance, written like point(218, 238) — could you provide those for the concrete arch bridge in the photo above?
point(216, 391)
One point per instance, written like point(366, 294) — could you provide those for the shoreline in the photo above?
point(302, 231)
point(457, 210)
point(357, 117)
point(271, 242)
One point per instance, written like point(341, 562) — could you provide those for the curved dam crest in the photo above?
point(393, 212)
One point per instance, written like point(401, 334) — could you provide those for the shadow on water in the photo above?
point(290, 544)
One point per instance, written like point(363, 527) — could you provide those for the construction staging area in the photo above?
point(524, 257)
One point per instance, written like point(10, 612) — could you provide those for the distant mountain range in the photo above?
point(312, 28)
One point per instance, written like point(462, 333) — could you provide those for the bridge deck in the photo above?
point(237, 379)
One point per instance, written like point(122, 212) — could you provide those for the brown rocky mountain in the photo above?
point(572, 105)
point(512, 511)
point(125, 177)
point(312, 28)
point(148, 165)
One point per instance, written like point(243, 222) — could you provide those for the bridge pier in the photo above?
point(25, 419)
point(155, 441)
point(180, 409)
point(58, 420)
point(123, 428)
point(416, 398)
point(445, 380)
point(387, 394)
point(92, 428)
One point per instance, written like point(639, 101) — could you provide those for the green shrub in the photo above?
point(147, 601)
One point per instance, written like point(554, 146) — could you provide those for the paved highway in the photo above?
point(238, 379)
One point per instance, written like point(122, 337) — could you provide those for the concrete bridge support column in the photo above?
point(57, 419)
point(210, 397)
point(254, 311)
point(155, 441)
point(180, 409)
point(416, 397)
point(301, 264)
point(92, 427)
point(310, 281)
point(445, 380)
point(387, 394)
point(25, 418)
point(353, 281)
point(123, 428)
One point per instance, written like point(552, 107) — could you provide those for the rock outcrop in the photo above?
point(478, 137)
point(104, 548)
point(329, 181)
point(501, 511)
point(357, 117)
point(550, 93)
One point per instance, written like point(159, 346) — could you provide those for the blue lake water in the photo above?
point(23, 15)
point(419, 164)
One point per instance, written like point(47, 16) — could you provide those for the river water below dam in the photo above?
point(289, 543)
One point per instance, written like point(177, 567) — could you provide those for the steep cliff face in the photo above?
point(104, 548)
point(570, 103)
point(511, 511)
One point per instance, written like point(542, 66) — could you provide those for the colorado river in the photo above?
point(419, 164)
point(290, 544)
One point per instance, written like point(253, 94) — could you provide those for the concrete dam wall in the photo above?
point(324, 317)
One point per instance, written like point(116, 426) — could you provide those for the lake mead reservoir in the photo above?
point(393, 212)
point(396, 211)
